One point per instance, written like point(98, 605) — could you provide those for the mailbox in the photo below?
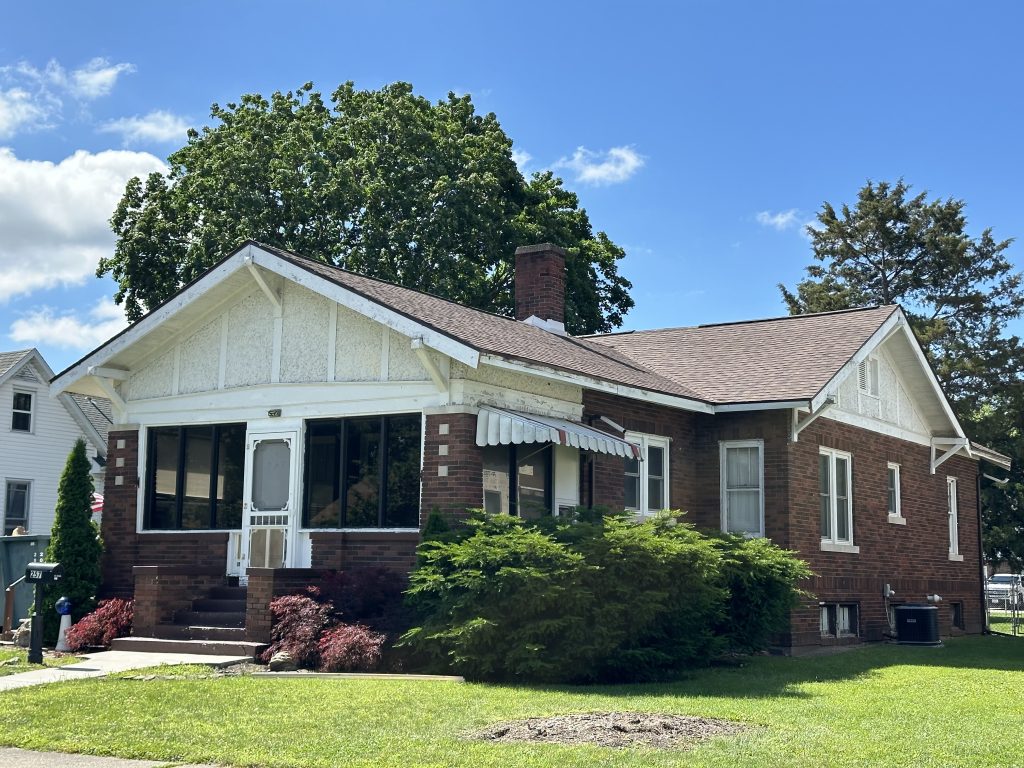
point(43, 573)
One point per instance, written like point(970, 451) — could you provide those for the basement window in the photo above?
point(957, 611)
point(839, 620)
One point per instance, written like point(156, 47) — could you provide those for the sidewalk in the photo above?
point(25, 759)
point(107, 662)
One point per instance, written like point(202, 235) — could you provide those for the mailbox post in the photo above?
point(40, 574)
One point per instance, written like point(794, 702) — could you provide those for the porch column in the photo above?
point(453, 469)
point(118, 526)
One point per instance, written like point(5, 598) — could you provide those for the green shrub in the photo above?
point(74, 543)
point(585, 599)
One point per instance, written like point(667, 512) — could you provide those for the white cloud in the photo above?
point(53, 216)
point(96, 79)
point(780, 221)
point(68, 330)
point(521, 157)
point(616, 165)
point(20, 109)
point(159, 126)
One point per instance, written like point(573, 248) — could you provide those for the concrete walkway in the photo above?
point(107, 662)
point(25, 759)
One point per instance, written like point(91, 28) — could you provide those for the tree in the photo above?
point(959, 292)
point(74, 543)
point(381, 182)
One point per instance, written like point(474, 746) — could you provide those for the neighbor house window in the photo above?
point(839, 620)
point(646, 480)
point(742, 486)
point(835, 496)
point(363, 472)
point(867, 376)
point(954, 523)
point(16, 506)
point(21, 417)
point(194, 477)
point(517, 480)
point(892, 474)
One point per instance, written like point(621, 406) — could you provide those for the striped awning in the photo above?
point(496, 426)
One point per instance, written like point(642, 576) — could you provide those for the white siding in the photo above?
point(893, 405)
point(37, 456)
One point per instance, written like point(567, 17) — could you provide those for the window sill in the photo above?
point(831, 546)
point(897, 520)
point(955, 557)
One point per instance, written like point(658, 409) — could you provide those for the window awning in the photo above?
point(496, 426)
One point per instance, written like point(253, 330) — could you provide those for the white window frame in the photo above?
point(723, 448)
point(868, 377)
point(895, 516)
point(31, 410)
point(28, 501)
point(953, 517)
point(833, 543)
point(645, 442)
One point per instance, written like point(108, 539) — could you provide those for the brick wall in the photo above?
point(452, 466)
point(162, 590)
point(361, 549)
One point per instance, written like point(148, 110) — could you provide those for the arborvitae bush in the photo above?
point(74, 543)
point(584, 600)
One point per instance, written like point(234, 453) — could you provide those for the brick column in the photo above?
point(118, 525)
point(452, 465)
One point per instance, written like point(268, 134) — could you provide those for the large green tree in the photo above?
point(383, 182)
point(959, 293)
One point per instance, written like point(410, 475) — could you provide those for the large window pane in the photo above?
point(533, 473)
point(323, 475)
point(362, 472)
point(402, 507)
point(164, 458)
point(632, 483)
point(230, 476)
point(16, 510)
point(744, 511)
point(497, 489)
point(655, 479)
point(195, 506)
point(825, 494)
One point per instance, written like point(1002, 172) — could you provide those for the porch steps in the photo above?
point(206, 647)
point(210, 618)
point(199, 632)
point(214, 624)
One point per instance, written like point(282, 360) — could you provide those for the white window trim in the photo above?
point(896, 518)
point(723, 446)
point(31, 411)
point(833, 543)
point(28, 501)
point(953, 519)
point(646, 441)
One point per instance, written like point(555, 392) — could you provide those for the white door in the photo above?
point(268, 506)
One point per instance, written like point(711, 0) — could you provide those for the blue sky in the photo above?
point(701, 135)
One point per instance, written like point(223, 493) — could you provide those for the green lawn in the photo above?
point(879, 706)
point(14, 660)
point(999, 621)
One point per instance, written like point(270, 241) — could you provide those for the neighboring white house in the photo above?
point(37, 432)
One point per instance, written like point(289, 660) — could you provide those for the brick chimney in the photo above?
point(540, 286)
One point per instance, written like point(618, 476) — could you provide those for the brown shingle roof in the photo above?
point(786, 358)
point(496, 334)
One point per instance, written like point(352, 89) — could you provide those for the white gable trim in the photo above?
point(897, 323)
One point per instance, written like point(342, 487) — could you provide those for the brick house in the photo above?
point(279, 416)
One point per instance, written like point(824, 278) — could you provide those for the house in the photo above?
point(38, 436)
point(279, 415)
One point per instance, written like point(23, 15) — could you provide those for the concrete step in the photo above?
point(228, 593)
point(198, 632)
point(205, 647)
point(210, 618)
point(213, 604)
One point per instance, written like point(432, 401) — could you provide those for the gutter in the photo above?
point(981, 557)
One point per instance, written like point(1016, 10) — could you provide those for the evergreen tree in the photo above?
point(74, 543)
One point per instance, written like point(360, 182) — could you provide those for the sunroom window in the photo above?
point(363, 472)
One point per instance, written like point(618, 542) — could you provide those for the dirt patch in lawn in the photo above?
point(613, 729)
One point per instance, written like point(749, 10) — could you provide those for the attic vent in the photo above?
point(26, 374)
point(867, 376)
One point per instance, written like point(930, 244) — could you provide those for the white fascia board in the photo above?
point(149, 323)
point(91, 433)
point(378, 312)
point(775, 405)
point(895, 320)
point(994, 457)
point(633, 393)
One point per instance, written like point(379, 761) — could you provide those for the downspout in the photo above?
point(981, 555)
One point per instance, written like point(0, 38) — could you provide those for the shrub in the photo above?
point(585, 599)
point(372, 596)
point(299, 620)
point(110, 620)
point(74, 543)
point(350, 648)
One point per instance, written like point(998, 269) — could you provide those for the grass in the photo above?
point(15, 660)
point(883, 705)
point(999, 621)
